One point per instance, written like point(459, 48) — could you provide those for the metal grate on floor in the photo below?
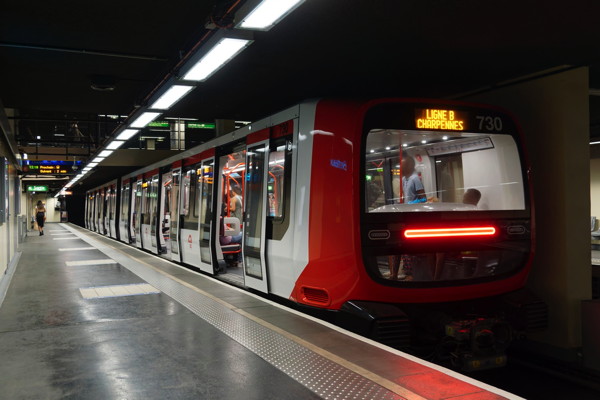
point(101, 292)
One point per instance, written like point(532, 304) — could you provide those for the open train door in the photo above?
point(255, 193)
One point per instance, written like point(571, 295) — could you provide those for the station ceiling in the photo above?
point(52, 54)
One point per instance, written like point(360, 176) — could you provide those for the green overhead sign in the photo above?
point(38, 188)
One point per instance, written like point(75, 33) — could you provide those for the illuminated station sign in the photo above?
point(37, 188)
point(51, 167)
point(448, 120)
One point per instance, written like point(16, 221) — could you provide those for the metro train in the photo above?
point(407, 221)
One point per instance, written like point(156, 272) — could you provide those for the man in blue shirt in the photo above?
point(412, 187)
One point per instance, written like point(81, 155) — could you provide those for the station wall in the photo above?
point(553, 111)
point(595, 189)
point(11, 193)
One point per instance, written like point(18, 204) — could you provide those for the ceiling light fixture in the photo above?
point(144, 119)
point(223, 49)
point(105, 153)
point(127, 134)
point(115, 144)
point(98, 159)
point(266, 14)
point(170, 97)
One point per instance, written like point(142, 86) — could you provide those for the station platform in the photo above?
point(85, 316)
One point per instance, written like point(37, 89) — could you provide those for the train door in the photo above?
point(107, 216)
point(112, 221)
point(92, 213)
point(164, 232)
point(100, 211)
point(155, 219)
point(254, 225)
point(205, 193)
point(85, 210)
point(279, 208)
point(88, 196)
point(137, 212)
point(148, 193)
point(174, 215)
point(124, 233)
point(229, 203)
point(190, 238)
point(105, 210)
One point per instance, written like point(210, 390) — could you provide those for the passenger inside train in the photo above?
point(444, 172)
point(231, 219)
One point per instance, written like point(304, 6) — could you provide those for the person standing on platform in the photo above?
point(40, 216)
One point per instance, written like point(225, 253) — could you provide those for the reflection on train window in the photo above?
point(448, 266)
point(146, 203)
point(174, 218)
point(137, 210)
point(451, 171)
point(153, 203)
point(185, 201)
point(276, 183)
point(190, 212)
point(125, 191)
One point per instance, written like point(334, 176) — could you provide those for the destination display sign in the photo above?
point(51, 167)
point(447, 120)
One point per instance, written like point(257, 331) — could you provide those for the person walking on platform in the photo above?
point(40, 216)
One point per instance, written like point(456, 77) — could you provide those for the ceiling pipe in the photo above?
point(82, 51)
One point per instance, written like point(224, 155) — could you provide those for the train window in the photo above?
point(189, 207)
point(125, 202)
point(174, 211)
point(146, 203)
point(137, 207)
point(276, 178)
point(410, 171)
point(153, 204)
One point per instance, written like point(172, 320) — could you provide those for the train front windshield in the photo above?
point(445, 197)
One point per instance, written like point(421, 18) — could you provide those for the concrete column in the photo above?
point(224, 126)
point(554, 115)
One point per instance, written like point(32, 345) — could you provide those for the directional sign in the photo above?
point(38, 188)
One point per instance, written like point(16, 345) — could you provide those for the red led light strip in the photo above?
point(449, 232)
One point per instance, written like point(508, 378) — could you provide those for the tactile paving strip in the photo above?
point(322, 376)
point(319, 374)
point(103, 292)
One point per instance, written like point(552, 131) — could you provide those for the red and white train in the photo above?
point(409, 221)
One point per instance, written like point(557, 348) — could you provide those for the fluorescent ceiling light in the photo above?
point(221, 53)
point(105, 153)
point(144, 119)
point(170, 97)
point(92, 165)
point(98, 159)
point(594, 142)
point(268, 13)
point(115, 144)
point(127, 134)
